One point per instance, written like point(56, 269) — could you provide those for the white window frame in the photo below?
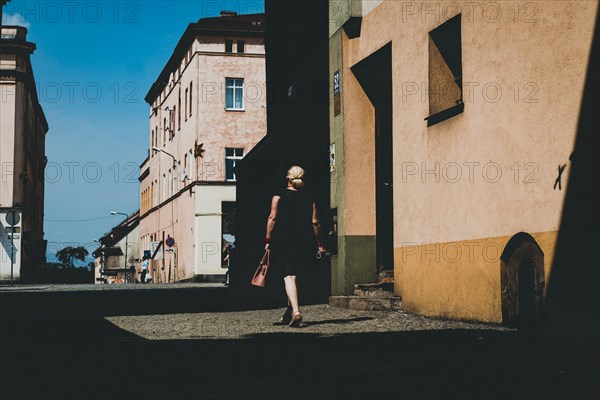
point(235, 88)
point(236, 159)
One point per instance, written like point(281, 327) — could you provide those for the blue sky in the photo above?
point(95, 61)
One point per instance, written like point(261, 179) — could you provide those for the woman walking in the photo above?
point(294, 225)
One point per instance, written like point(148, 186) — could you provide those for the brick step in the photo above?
point(359, 303)
point(375, 290)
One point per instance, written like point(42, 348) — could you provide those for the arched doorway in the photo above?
point(522, 282)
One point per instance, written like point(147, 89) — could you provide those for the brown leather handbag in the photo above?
point(260, 276)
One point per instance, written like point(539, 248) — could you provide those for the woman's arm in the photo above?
point(317, 228)
point(272, 219)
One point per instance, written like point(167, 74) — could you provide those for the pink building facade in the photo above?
point(207, 110)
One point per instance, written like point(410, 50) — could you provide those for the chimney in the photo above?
point(225, 13)
point(2, 3)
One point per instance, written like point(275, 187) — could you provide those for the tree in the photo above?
point(68, 255)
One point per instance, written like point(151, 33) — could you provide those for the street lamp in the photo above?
point(156, 149)
point(126, 244)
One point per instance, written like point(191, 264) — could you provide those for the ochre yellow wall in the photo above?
point(460, 279)
point(359, 156)
point(514, 141)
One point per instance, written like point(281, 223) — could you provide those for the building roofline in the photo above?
point(212, 26)
point(122, 229)
point(22, 46)
point(145, 161)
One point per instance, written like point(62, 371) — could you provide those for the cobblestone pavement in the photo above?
point(318, 319)
point(51, 288)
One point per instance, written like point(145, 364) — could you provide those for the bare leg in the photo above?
point(292, 293)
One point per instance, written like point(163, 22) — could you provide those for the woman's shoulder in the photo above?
point(283, 193)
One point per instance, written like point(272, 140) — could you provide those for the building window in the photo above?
point(165, 131)
point(234, 94)
point(185, 169)
point(173, 121)
point(191, 97)
point(179, 114)
point(155, 192)
point(445, 72)
point(152, 194)
point(241, 46)
point(176, 170)
point(232, 158)
point(152, 143)
point(228, 46)
point(186, 104)
point(191, 171)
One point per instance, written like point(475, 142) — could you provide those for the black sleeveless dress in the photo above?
point(293, 236)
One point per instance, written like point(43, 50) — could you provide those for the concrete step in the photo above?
point(375, 290)
point(359, 303)
point(386, 277)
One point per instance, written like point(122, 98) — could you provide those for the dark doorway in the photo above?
point(526, 293)
point(522, 282)
point(374, 74)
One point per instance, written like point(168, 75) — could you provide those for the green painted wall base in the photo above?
point(355, 263)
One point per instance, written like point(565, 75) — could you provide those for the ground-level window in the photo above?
point(234, 94)
point(228, 211)
point(232, 158)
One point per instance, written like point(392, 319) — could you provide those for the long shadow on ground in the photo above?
point(68, 353)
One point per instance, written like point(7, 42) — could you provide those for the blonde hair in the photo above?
point(295, 176)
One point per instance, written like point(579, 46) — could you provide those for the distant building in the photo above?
point(23, 128)
point(207, 110)
point(118, 252)
point(454, 127)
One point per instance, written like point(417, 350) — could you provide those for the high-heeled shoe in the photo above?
point(296, 320)
point(287, 316)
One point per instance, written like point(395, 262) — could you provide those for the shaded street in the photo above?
point(221, 348)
